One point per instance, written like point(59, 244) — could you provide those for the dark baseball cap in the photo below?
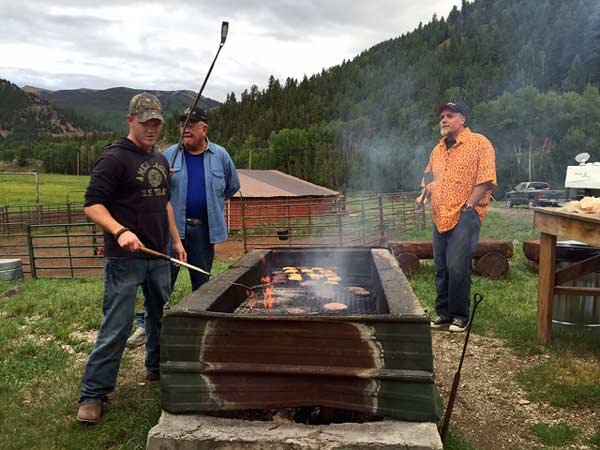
point(146, 106)
point(197, 115)
point(456, 107)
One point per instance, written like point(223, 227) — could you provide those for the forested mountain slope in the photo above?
point(24, 116)
point(528, 69)
point(107, 108)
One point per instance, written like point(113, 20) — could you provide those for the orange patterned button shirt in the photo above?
point(471, 161)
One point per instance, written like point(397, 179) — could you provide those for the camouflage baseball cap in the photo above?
point(146, 106)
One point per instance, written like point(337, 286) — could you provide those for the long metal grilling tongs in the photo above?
point(173, 260)
point(191, 266)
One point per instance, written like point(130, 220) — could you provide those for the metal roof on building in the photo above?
point(273, 183)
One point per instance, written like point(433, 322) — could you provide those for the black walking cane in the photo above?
point(477, 299)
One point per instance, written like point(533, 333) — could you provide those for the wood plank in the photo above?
point(571, 226)
point(576, 290)
point(577, 270)
point(568, 214)
point(546, 286)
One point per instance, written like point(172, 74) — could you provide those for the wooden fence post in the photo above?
point(289, 225)
point(94, 240)
point(339, 221)
point(69, 217)
point(4, 220)
point(363, 220)
point(381, 223)
point(31, 255)
point(244, 225)
point(69, 251)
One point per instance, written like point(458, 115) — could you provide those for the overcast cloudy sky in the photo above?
point(167, 45)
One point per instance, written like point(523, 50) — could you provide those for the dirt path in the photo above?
point(491, 409)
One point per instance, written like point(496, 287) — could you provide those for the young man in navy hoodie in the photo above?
point(128, 196)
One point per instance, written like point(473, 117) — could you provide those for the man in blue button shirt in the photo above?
point(204, 176)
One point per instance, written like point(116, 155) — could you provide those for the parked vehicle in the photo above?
point(534, 193)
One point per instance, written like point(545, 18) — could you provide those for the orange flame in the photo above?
point(268, 300)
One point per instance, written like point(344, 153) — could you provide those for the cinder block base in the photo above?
point(197, 432)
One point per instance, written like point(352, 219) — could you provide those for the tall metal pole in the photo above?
point(224, 31)
point(37, 188)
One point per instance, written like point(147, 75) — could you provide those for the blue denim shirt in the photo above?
point(221, 180)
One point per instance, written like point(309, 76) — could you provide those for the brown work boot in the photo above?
point(89, 413)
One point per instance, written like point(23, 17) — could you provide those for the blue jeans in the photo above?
point(122, 277)
point(200, 253)
point(453, 254)
point(140, 319)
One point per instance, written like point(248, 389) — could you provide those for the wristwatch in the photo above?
point(468, 207)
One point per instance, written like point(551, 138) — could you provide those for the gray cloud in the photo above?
point(175, 42)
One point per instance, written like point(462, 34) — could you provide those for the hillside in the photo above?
point(368, 123)
point(25, 116)
point(108, 108)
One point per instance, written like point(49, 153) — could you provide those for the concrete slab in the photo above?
point(198, 432)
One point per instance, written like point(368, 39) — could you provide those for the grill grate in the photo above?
point(297, 298)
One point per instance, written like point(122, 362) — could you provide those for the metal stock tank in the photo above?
point(11, 269)
point(582, 311)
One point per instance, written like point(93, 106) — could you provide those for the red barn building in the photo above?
point(271, 196)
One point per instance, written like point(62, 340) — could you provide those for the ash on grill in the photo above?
point(303, 290)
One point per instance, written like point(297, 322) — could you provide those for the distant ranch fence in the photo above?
point(55, 241)
point(366, 220)
point(40, 215)
point(56, 250)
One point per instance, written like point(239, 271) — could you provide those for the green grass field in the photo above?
point(510, 305)
point(53, 188)
point(44, 348)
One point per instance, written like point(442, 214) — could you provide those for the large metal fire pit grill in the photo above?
point(222, 349)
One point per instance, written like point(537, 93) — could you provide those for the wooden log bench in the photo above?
point(491, 256)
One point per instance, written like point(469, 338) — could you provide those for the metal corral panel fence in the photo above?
point(40, 214)
point(56, 250)
point(15, 244)
point(66, 250)
point(73, 250)
point(358, 221)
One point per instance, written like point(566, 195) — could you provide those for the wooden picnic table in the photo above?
point(552, 223)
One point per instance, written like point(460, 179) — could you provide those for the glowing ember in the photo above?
point(268, 300)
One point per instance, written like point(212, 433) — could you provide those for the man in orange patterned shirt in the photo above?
point(459, 180)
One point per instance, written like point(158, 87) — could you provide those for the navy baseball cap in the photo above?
point(197, 115)
point(456, 107)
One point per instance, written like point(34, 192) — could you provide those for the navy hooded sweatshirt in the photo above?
point(133, 184)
